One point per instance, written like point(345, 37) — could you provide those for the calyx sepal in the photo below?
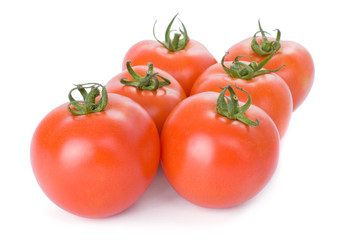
point(267, 47)
point(230, 108)
point(88, 104)
point(179, 41)
point(149, 82)
point(243, 71)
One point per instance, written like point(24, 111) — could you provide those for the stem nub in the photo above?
point(177, 43)
point(88, 105)
point(229, 107)
point(149, 82)
point(241, 70)
point(267, 47)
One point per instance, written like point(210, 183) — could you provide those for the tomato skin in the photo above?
point(299, 70)
point(157, 103)
point(99, 164)
point(215, 162)
point(184, 65)
point(268, 91)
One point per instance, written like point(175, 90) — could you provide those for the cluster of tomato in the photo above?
point(215, 127)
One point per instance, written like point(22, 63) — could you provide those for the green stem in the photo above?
point(149, 82)
point(177, 43)
point(88, 105)
point(230, 108)
point(242, 71)
point(267, 47)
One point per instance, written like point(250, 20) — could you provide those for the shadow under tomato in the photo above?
point(159, 194)
point(161, 203)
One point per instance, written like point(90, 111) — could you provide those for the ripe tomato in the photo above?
point(299, 70)
point(183, 58)
point(98, 164)
point(268, 91)
point(217, 162)
point(157, 101)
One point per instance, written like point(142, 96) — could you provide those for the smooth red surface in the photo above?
point(299, 70)
point(157, 103)
point(267, 91)
point(184, 65)
point(99, 164)
point(215, 162)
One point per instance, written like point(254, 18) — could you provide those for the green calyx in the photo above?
point(243, 71)
point(88, 105)
point(149, 82)
point(267, 47)
point(177, 43)
point(230, 108)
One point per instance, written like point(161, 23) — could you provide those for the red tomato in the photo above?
point(268, 91)
point(184, 63)
point(158, 102)
point(213, 161)
point(96, 165)
point(298, 72)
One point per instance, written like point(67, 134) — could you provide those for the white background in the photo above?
point(46, 46)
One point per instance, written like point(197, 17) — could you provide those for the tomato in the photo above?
point(299, 69)
point(97, 164)
point(268, 90)
point(216, 161)
point(185, 59)
point(157, 101)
